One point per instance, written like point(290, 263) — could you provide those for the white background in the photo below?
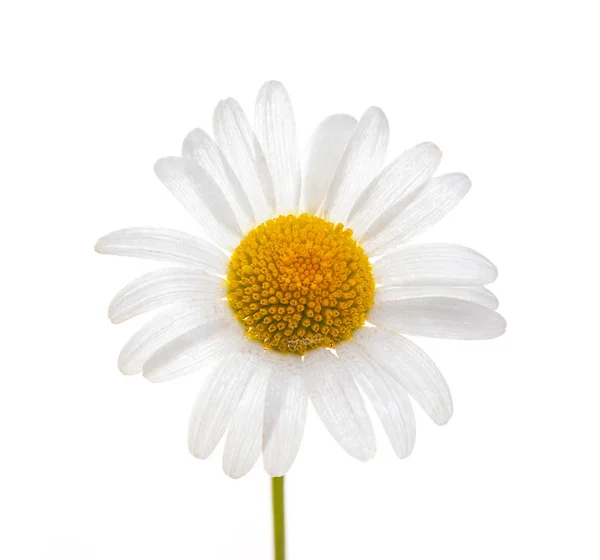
point(95, 465)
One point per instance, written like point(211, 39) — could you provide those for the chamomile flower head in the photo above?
point(301, 285)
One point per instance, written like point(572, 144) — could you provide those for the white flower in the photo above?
point(258, 306)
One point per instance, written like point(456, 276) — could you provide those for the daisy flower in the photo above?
point(301, 284)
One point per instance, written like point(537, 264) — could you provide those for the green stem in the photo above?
point(278, 517)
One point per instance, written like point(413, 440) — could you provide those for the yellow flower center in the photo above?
point(300, 282)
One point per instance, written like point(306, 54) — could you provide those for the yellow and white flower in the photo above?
point(301, 284)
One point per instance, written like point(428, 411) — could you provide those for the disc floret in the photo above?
point(300, 282)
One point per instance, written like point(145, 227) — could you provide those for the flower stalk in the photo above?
point(278, 517)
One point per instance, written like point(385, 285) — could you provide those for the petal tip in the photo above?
point(366, 453)
point(235, 473)
point(375, 112)
point(406, 453)
point(464, 179)
point(431, 146)
point(99, 245)
point(150, 375)
point(225, 103)
point(197, 454)
point(503, 325)
point(444, 418)
point(273, 84)
point(114, 318)
point(160, 167)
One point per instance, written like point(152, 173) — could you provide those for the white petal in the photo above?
point(338, 403)
point(325, 151)
point(200, 147)
point(434, 264)
point(420, 210)
point(411, 367)
point(201, 197)
point(244, 435)
point(217, 402)
point(164, 328)
point(284, 415)
point(166, 286)
point(236, 138)
point(362, 160)
point(276, 131)
point(199, 349)
point(161, 244)
point(476, 294)
point(438, 317)
point(389, 400)
point(413, 168)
